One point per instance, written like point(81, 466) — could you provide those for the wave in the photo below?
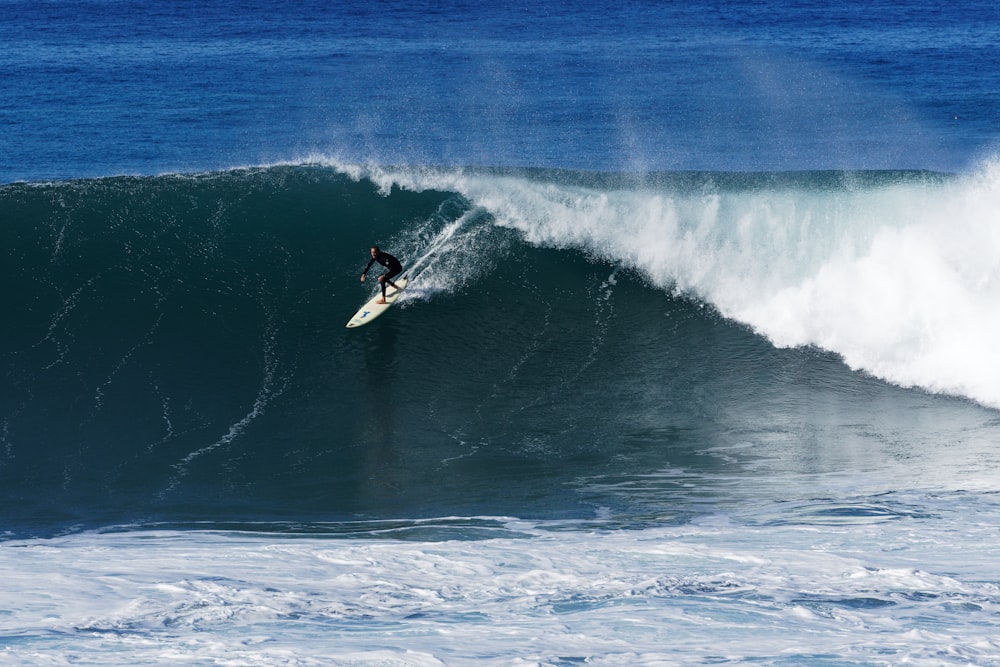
point(176, 344)
point(896, 272)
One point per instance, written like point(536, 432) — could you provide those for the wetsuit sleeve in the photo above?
point(370, 262)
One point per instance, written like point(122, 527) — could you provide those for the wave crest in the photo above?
point(897, 272)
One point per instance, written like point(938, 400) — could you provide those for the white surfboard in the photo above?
point(371, 310)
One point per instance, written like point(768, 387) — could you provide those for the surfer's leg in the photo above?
point(381, 282)
point(388, 276)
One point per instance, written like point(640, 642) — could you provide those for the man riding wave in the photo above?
point(392, 265)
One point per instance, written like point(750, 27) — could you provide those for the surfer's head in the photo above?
point(375, 250)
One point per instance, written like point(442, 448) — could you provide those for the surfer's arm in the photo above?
point(372, 261)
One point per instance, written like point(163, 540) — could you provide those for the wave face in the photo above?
point(175, 348)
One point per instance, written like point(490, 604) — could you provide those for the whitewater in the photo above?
point(900, 278)
point(502, 591)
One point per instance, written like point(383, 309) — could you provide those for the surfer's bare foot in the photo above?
point(380, 301)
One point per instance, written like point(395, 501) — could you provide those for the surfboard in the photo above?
point(371, 310)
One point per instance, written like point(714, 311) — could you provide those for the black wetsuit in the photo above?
point(392, 265)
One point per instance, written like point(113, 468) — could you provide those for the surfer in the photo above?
point(392, 265)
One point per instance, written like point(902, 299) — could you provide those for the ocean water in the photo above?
point(697, 364)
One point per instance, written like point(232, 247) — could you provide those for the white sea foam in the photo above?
point(918, 590)
point(919, 304)
point(901, 279)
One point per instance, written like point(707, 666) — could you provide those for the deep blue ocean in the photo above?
point(698, 363)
